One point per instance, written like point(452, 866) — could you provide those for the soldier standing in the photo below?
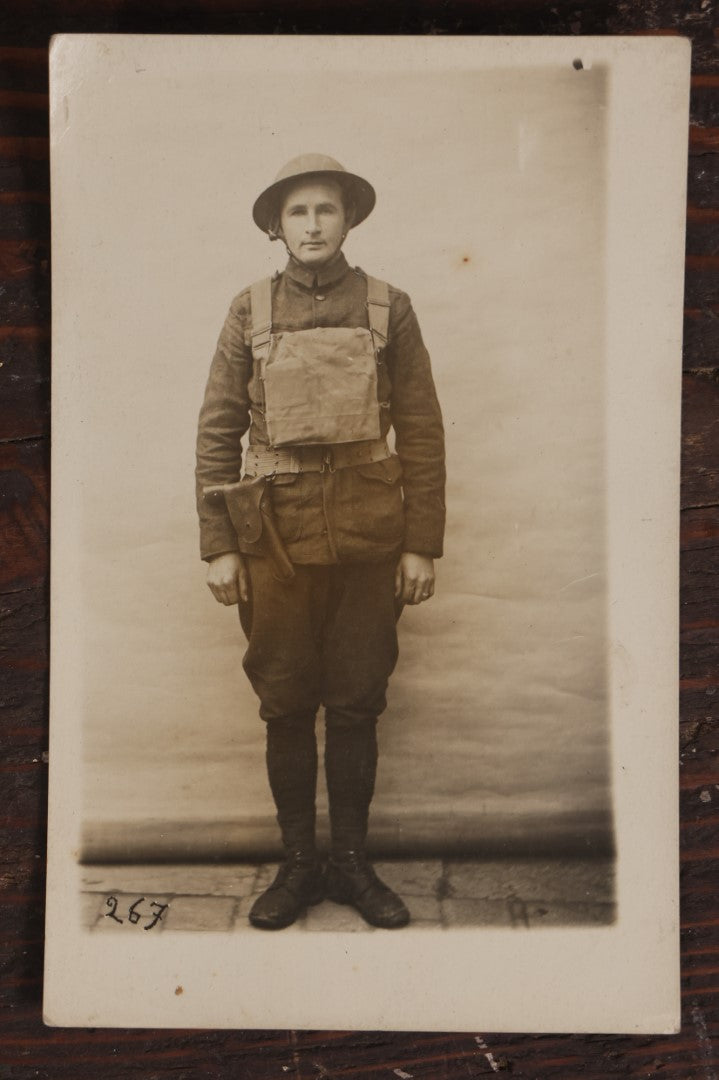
point(326, 534)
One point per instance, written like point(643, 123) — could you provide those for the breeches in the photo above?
point(329, 637)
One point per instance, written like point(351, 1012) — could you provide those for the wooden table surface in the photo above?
point(27, 1049)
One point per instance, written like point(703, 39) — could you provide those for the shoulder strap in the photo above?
point(378, 310)
point(261, 309)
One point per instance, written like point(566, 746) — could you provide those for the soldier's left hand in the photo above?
point(414, 581)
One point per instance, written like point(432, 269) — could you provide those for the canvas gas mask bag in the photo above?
point(320, 385)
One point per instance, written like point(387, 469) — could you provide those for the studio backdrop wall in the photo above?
point(490, 214)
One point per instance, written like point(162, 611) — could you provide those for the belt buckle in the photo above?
point(328, 460)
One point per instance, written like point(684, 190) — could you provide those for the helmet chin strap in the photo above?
point(278, 236)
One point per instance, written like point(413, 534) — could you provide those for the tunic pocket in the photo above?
point(377, 504)
point(389, 470)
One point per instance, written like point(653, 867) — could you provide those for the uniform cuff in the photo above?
point(419, 540)
point(217, 540)
point(216, 554)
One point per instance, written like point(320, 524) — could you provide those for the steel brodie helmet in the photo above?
point(308, 167)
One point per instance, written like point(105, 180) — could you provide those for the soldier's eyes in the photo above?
point(301, 211)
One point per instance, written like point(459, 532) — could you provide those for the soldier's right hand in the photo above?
point(227, 578)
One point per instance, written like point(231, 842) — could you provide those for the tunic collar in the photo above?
point(313, 279)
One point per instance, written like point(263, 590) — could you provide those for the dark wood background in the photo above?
point(29, 1050)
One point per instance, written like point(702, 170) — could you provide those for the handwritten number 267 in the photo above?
point(133, 914)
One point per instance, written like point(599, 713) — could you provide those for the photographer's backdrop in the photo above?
point(490, 214)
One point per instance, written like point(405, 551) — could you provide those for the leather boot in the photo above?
point(351, 766)
point(292, 772)
point(291, 758)
point(351, 880)
point(299, 882)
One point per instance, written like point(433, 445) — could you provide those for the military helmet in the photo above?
point(305, 167)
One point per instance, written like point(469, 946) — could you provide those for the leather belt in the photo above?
point(267, 461)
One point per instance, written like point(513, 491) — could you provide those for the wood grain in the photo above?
point(27, 1049)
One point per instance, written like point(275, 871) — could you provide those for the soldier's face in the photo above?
point(313, 222)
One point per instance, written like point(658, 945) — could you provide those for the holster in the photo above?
point(249, 504)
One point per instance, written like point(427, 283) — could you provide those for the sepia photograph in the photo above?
point(347, 491)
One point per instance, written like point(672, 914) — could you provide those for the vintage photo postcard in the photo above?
point(366, 372)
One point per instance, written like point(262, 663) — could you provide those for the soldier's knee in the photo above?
point(290, 722)
point(347, 718)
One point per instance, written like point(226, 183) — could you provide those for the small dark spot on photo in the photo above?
point(577, 65)
point(178, 991)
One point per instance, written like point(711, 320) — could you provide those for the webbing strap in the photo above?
point(261, 304)
point(378, 310)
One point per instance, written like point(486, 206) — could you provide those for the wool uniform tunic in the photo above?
point(329, 636)
point(360, 513)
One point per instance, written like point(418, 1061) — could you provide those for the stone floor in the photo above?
point(440, 893)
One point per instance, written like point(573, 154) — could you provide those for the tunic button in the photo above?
point(319, 296)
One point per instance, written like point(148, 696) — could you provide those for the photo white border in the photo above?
point(622, 978)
